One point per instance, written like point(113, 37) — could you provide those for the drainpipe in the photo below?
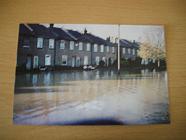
point(91, 53)
point(55, 46)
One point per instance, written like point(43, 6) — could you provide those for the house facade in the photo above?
point(39, 46)
point(128, 49)
point(35, 46)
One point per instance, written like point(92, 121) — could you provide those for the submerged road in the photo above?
point(91, 97)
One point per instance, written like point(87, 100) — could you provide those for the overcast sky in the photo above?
point(138, 33)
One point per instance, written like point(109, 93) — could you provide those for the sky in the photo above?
point(139, 33)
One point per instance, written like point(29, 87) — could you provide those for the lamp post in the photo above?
point(118, 49)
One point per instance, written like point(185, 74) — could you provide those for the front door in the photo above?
point(35, 62)
point(28, 63)
point(78, 62)
point(47, 60)
point(85, 60)
point(97, 60)
point(73, 61)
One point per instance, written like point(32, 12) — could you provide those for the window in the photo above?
point(39, 42)
point(51, 43)
point(133, 52)
point(62, 44)
point(113, 50)
point(129, 50)
point(95, 47)
point(102, 48)
point(71, 45)
point(80, 46)
point(88, 46)
point(107, 48)
point(64, 60)
point(123, 50)
point(26, 43)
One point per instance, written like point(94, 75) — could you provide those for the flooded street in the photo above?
point(91, 97)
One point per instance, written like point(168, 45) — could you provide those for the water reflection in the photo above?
point(88, 97)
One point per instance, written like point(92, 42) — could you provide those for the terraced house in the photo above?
point(35, 46)
point(50, 47)
point(128, 49)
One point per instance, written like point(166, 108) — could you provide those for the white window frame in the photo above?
point(123, 50)
point(51, 43)
point(64, 57)
point(108, 48)
point(50, 62)
point(129, 51)
point(113, 50)
point(95, 47)
point(39, 42)
point(80, 46)
point(72, 45)
point(62, 44)
point(101, 48)
point(133, 52)
point(88, 46)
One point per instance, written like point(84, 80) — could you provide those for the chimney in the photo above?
point(51, 25)
point(108, 39)
point(134, 41)
point(85, 31)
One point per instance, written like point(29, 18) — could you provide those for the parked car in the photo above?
point(88, 67)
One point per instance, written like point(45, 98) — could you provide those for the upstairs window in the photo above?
point(39, 42)
point(26, 43)
point(123, 50)
point(133, 52)
point(113, 50)
point(71, 45)
point(51, 43)
point(108, 49)
point(80, 46)
point(62, 44)
point(88, 46)
point(95, 48)
point(129, 51)
point(102, 48)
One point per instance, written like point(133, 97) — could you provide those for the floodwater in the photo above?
point(99, 97)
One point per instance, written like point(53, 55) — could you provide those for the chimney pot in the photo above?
point(51, 25)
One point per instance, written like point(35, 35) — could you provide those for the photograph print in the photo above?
point(91, 74)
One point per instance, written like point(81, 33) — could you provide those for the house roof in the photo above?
point(126, 43)
point(24, 30)
point(76, 34)
point(87, 37)
point(61, 34)
point(36, 30)
point(41, 30)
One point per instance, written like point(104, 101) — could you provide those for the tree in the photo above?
point(153, 46)
point(148, 52)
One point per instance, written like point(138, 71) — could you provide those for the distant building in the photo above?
point(128, 49)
